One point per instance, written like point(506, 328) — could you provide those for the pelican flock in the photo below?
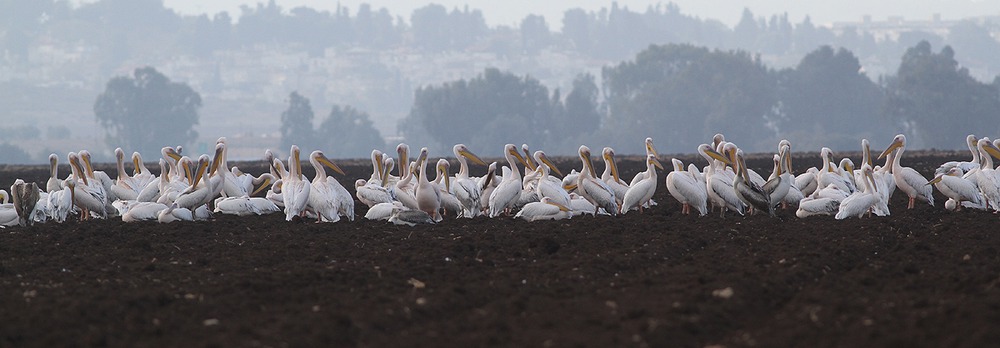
point(197, 188)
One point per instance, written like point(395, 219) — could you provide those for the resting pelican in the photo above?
point(546, 209)
point(377, 168)
point(444, 185)
point(860, 202)
point(952, 185)
point(965, 167)
point(87, 194)
point(400, 188)
point(548, 186)
point(907, 179)
point(642, 191)
point(829, 173)
point(810, 206)
point(26, 199)
point(383, 211)
point(687, 189)
point(611, 176)
point(463, 187)
point(427, 194)
point(371, 194)
point(142, 211)
point(509, 189)
point(125, 187)
point(749, 192)
point(327, 197)
point(410, 217)
point(200, 191)
point(650, 150)
point(294, 190)
point(140, 174)
point(592, 188)
point(174, 213)
point(99, 176)
point(243, 206)
point(54, 183)
point(718, 186)
point(487, 183)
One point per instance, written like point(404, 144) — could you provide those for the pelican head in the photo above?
point(846, 164)
point(442, 169)
point(85, 158)
point(609, 158)
point(403, 151)
point(119, 154)
point(294, 162)
point(318, 156)
point(220, 150)
point(718, 139)
point(388, 164)
point(707, 150)
point(650, 149)
point(74, 162)
point(585, 157)
point(463, 151)
point(137, 162)
point(169, 152)
point(651, 160)
point(548, 200)
point(990, 148)
point(897, 142)
point(510, 151)
point(543, 159)
point(377, 161)
point(527, 158)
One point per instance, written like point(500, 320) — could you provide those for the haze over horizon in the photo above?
point(511, 12)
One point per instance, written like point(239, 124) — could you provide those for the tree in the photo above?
point(147, 111)
point(348, 133)
point(938, 100)
point(297, 123)
point(13, 154)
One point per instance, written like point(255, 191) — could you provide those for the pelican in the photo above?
point(529, 165)
point(174, 213)
point(400, 188)
point(327, 197)
point(403, 151)
point(98, 176)
point(650, 150)
point(861, 202)
point(54, 183)
point(140, 174)
point(410, 217)
point(611, 176)
point(907, 179)
point(593, 189)
point(509, 189)
point(87, 194)
point(383, 211)
point(377, 168)
point(125, 187)
point(427, 194)
point(487, 183)
point(25, 197)
point(687, 189)
point(370, 194)
point(810, 206)
point(985, 177)
point(548, 186)
point(463, 187)
point(294, 190)
point(965, 167)
point(718, 186)
point(952, 185)
point(142, 211)
point(243, 206)
point(546, 209)
point(829, 173)
point(641, 192)
point(749, 192)
point(782, 181)
point(444, 185)
point(199, 192)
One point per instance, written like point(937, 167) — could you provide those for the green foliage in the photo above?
point(348, 133)
point(147, 111)
point(938, 100)
point(297, 123)
point(684, 94)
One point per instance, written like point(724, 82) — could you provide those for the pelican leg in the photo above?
point(910, 205)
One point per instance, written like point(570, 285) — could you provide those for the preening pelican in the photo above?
point(748, 191)
point(98, 176)
point(140, 174)
point(509, 189)
point(463, 187)
point(370, 193)
point(443, 184)
point(546, 209)
point(688, 190)
point(829, 173)
point(642, 191)
point(294, 190)
point(954, 186)
point(377, 168)
point(125, 188)
point(548, 186)
point(401, 190)
point(860, 202)
point(87, 194)
point(650, 150)
point(327, 197)
point(611, 176)
point(590, 187)
point(200, 191)
point(907, 179)
point(487, 183)
point(718, 186)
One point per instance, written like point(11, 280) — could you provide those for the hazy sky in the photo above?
point(510, 12)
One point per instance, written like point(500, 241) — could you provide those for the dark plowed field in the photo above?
point(920, 278)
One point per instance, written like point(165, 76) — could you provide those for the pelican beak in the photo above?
point(202, 167)
point(137, 164)
point(187, 171)
point(656, 163)
point(560, 206)
point(614, 166)
point(528, 161)
point(76, 164)
point(217, 159)
point(447, 179)
point(267, 181)
point(326, 162)
point(936, 179)
point(871, 178)
point(569, 187)
point(520, 158)
point(552, 166)
point(992, 150)
point(472, 157)
point(848, 167)
point(719, 157)
point(652, 150)
point(895, 145)
point(172, 153)
point(379, 165)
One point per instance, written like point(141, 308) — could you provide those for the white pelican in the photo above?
point(243, 206)
point(860, 202)
point(174, 213)
point(546, 209)
point(294, 190)
point(650, 150)
point(806, 182)
point(142, 211)
point(529, 165)
point(580, 206)
point(403, 151)
point(327, 197)
point(718, 186)
point(487, 183)
point(140, 174)
point(748, 191)
point(907, 179)
point(688, 190)
point(529, 184)
point(427, 194)
point(965, 167)
point(401, 189)
point(377, 168)
point(509, 189)
point(611, 176)
point(642, 191)
point(87, 194)
point(593, 189)
point(810, 206)
point(468, 192)
point(985, 177)
point(125, 187)
point(383, 211)
point(829, 174)
point(200, 191)
point(952, 185)
point(25, 197)
point(54, 183)
point(444, 185)
point(371, 194)
point(99, 176)
point(548, 186)
point(59, 203)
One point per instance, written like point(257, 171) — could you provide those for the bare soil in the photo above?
point(920, 278)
